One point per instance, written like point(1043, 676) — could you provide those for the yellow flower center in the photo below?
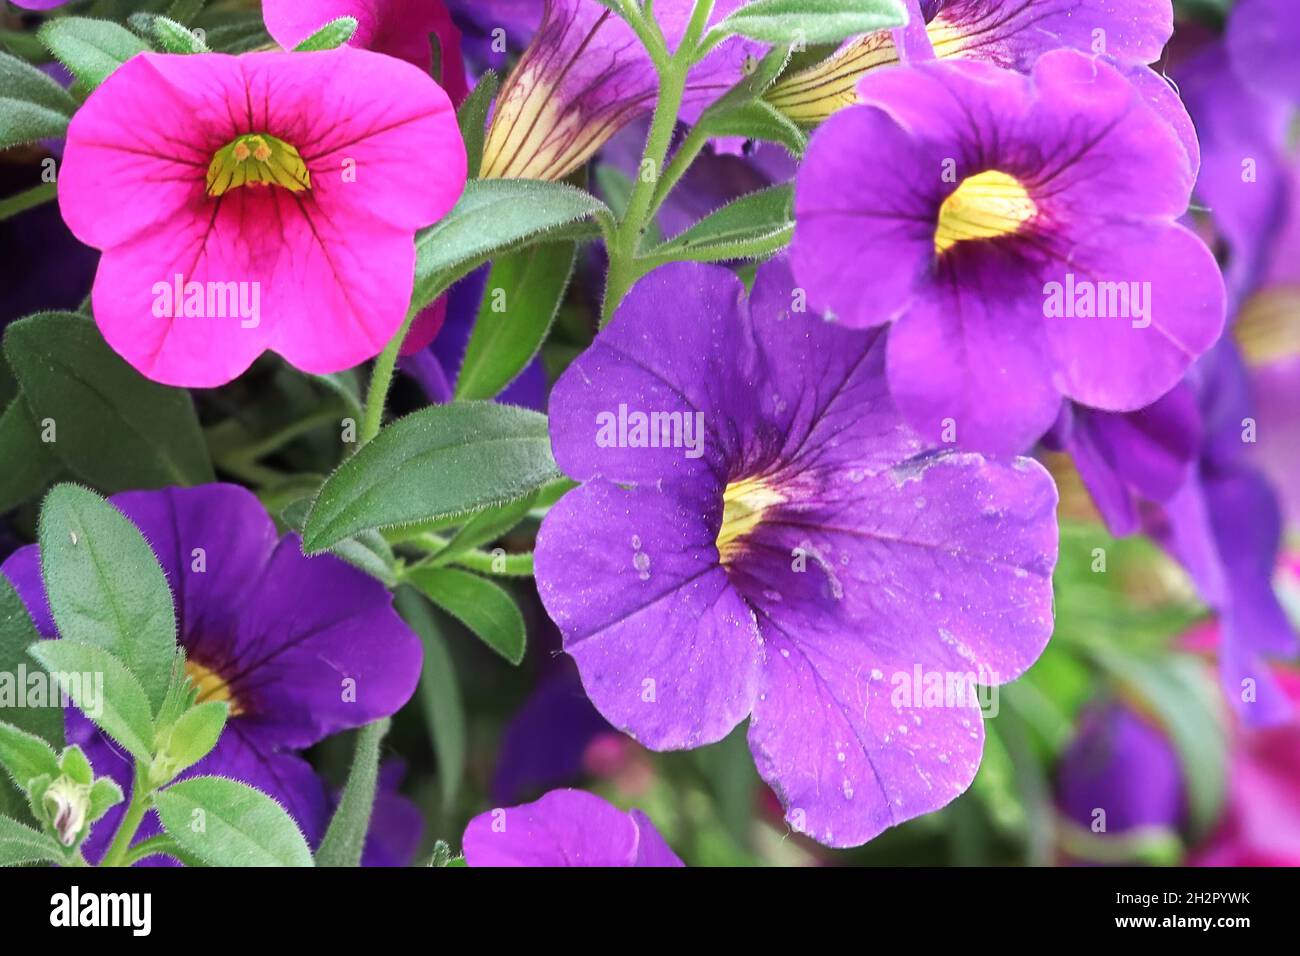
point(257, 159)
point(743, 504)
point(211, 686)
point(984, 206)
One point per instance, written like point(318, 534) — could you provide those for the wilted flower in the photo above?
point(585, 76)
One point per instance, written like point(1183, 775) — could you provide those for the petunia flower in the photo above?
point(585, 76)
point(1182, 472)
point(266, 201)
point(1008, 33)
point(400, 28)
point(565, 828)
point(299, 648)
point(1262, 37)
point(760, 535)
point(1020, 233)
point(1123, 764)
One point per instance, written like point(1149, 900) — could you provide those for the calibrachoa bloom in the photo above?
point(565, 828)
point(299, 648)
point(1008, 33)
point(1121, 773)
point(266, 201)
point(585, 76)
point(761, 535)
point(1181, 471)
point(1020, 233)
point(400, 28)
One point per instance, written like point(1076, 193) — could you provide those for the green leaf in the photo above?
point(22, 81)
point(495, 216)
point(190, 739)
point(228, 823)
point(529, 285)
point(17, 633)
point(485, 608)
point(331, 35)
point(482, 528)
point(73, 764)
point(105, 794)
point(440, 700)
point(26, 756)
point(21, 844)
point(32, 106)
point(761, 217)
point(30, 465)
point(114, 428)
point(90, 49)
point(367, 550)
point(106, 587)
point(472, 117)
point(171, 36)
point(22, 122)
point(761, 120)
point(754, 85)
point(616, 188)
point(346, 836)
point(800, 22)
point(441, 461)
point(123, 712)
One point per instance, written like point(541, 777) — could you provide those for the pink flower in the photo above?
point(399, 28)
point(266, 201)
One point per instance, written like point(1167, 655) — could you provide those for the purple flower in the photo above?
point(546, 742)
point(565, 828)
point(761, 535)
point(1008, 33)
point(300, 648)
point(1182, 472)
point(1263, 36)
point(1243, 174)
point(585, 76)
point(1020, 232)
point(1123, 765)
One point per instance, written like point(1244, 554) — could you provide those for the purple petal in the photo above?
point(565, 828)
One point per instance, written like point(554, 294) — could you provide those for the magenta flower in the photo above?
point(1020, 232)
point(259, 202)
point(1008, 33)
point(400, 28)
point(585, 76)
point(299, 648)
point(565, 828)
point(761, 536)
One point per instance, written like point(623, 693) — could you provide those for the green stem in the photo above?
point(624, 269)
point(677, 166)
point(380, 381)
point(131, 820)
point(160, 845)
point(27, 199)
